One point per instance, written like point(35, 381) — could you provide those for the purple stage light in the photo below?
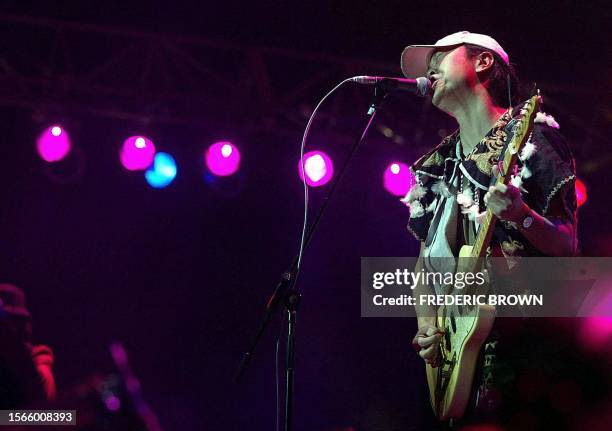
point(53, 144)
point(222, 158)
point(319, 168)
point(137, 153)
point(398, 179)
point(112, 403)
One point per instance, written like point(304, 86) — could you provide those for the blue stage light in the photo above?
point(162, 172)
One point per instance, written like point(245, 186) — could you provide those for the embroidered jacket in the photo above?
point(546, 177)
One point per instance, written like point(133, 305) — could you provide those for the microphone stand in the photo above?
point(285, 292)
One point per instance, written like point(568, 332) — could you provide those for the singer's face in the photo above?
point(452, 73)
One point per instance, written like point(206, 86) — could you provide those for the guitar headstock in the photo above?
point(522, 128)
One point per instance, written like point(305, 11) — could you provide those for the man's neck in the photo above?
point(476, 115)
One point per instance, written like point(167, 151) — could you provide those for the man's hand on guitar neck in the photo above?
point(427, 343)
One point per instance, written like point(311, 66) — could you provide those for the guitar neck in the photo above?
point(485, 233)
point(522, 129)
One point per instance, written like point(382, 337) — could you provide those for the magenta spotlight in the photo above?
point(53, 144)
point(137, 153)
point(222, 158)
point(398, 179)
point(319, 168)
point(596, 332)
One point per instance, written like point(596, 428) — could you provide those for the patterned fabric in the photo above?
point(552, 170)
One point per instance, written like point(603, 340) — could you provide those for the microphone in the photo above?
point(420, 86)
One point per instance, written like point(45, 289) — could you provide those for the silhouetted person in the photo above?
point(26, 374)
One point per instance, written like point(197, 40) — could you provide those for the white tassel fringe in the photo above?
point(440, 188)
point(416, 209)
point(416, 192)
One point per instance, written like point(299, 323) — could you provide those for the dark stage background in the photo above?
point(180, 275)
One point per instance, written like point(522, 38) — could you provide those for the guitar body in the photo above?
point(466, 328)
point(465, 332)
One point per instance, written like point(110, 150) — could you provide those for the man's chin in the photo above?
point(439, 102)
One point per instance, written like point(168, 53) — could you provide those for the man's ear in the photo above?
point(484, 61)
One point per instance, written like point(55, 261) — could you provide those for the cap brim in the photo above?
point(415, 59)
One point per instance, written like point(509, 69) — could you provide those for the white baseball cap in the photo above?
point(415, 58)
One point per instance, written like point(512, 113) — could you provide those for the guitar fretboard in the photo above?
point(521, 131)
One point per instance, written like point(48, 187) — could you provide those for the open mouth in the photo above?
point(434, 81)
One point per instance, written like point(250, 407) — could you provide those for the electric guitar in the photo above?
point(466, 328)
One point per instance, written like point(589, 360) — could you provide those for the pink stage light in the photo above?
point(581, 192)
point(222, 158)
point(53, 144)
point(597, 329)
point(597, 332)
point(137, 153)
point(398, 179)
point(319, 168)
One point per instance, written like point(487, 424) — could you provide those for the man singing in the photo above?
point(474, 82)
